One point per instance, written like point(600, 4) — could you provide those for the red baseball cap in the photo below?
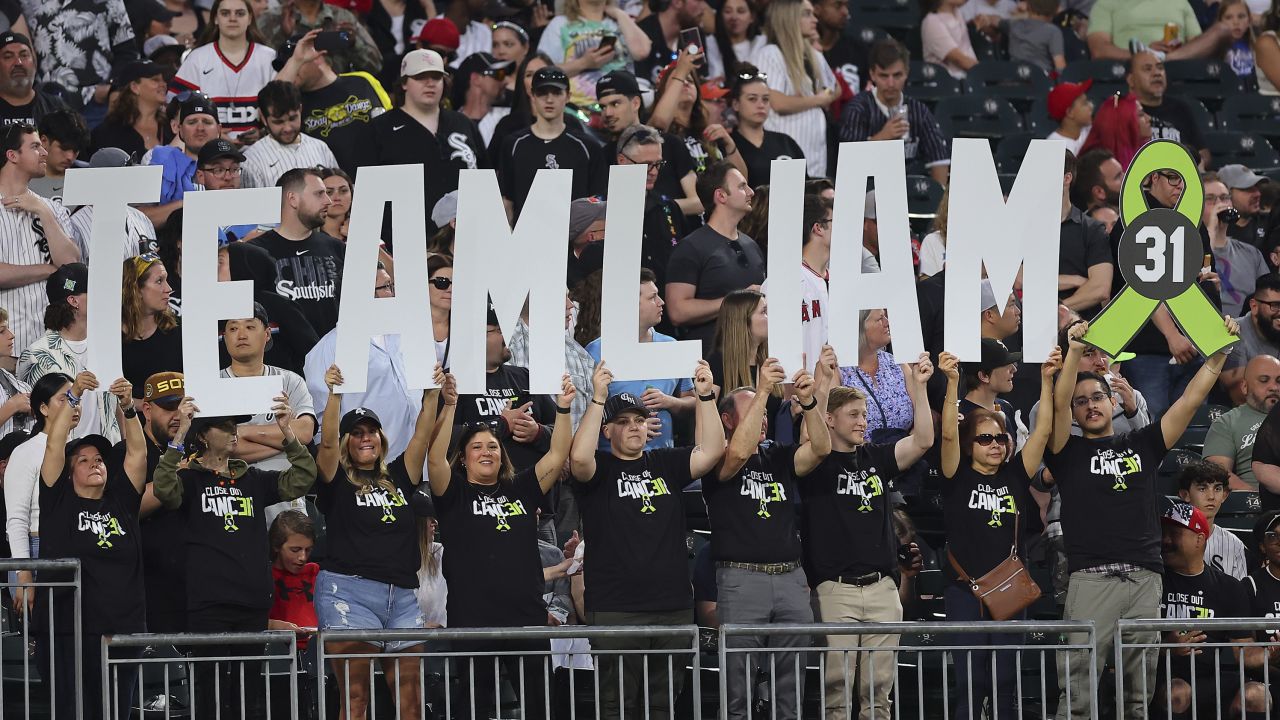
point(439, 32)
point(1063, 94)
point(1188, 516)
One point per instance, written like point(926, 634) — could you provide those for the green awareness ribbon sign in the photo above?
point(1160, 259)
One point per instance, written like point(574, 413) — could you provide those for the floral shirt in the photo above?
point(888, 402)
point(79, 41)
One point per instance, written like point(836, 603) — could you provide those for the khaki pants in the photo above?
point(872, 673)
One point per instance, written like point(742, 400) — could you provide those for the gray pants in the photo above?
point(648, 689)
point(750, 597)
point(1106, 599)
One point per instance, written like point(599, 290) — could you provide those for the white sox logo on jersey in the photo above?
point(551, 162)
point(461, 150)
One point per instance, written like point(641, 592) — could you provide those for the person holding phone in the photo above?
point(575, 41)
point(295, 18)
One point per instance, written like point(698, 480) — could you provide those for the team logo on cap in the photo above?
point(68, 284)
point(628, 397)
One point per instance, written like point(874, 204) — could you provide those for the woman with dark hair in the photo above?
point(338, 186)
point(488, 519)
point(152, 340)
point(510, 44)
point(90, 507)
point(737, 37)
point(231, 61)
point(1266, 51)
point(368, 580)
point(440, 291)
point(136, 119)
point(749, 96)
point(679, 111)
point(987, 510)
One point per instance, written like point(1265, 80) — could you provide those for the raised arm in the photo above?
point(1033, 451)
point(55, 450)
point(817, 444)
point(746, 437)
point(708, 433)
point(1065, 387)
point(582, 456)
point(913, 447)
point(165, 483)
point(552, 463)
point(329, 453)
point(135, 442)
point(415, 453)
point(438, 472)
point(1178, 416)
point(950, 367)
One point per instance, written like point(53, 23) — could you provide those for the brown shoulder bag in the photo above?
point(1008, 589)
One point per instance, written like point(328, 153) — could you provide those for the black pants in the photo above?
point(123, 681)
point(487, 700)
point(218, 684)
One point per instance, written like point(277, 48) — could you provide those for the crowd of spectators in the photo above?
point(812, 484)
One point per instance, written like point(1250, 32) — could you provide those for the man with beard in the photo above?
point(195, 123)
point(286, 147)
point(309, 261)
point(20, 101)
point(1259, 331)
point(619, 96)
point(478, 90)
point(1098, 179)
point(1171, 117)
point(164, 565)
point(1245, 186)
point(1235, 431)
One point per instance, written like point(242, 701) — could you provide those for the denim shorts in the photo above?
point(349, 602)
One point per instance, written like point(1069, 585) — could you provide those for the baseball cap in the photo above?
point(144, 11)
point(869, 206)
point(1187, 516)
point(10, 442)
point(582, 213)
point(159, 43)
point(197, 103)
point(713, 91)
point(417, 62)
point(200, 424)
point(94, 440)
point(1064, 94)
point(218, 149)
point(136, 70)
point(11, 37)
point(357, 416)
point(69, 279)
point(165, 389)
point(482, 62)
point(988, 295)
point(550, 76)
point(621, 403)
point(617, 82)
point(110, 157)
point(445, 210)
point(995, 354)
point(440, 32)
point(1239, 177)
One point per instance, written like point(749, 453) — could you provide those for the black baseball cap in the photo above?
point(102, 444)
point(10, 442)
point(218, 149)
point(69, 279)
point(995, 354)
point(196, 103)
point(357, 416)
point(618, 82)
point(621, 403)
point(550, 76)
point(10, 37)
point(136, 70)
point(202, 423)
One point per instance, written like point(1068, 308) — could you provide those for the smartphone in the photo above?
point(335, 41)
point(691, 42)
point(904, 554)
point(608, 41)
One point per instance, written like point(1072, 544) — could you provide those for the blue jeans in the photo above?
point(973, 667)
point(349, 602)
point(1160, 382)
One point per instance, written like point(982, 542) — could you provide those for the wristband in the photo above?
point(177, 446)
point(596, 402)
point(562, 410)
point(707, 398)
point(130, 412)
point(72, 400)
point(813, 403)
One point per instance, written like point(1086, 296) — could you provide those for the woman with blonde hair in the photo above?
point(933, 249)
point(231, 61)
point(152, 340)
point(742, 345)
point(802, 83)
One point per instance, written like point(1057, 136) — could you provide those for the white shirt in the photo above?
point(815, 303)
point(22, 494)
point(933, 254)
point(1225, 551)
point(295, 388)
point(433, 591)
point(1073, 145)
point(477, 38)
point(139, 233)
point(807, 128)
point(266, 160)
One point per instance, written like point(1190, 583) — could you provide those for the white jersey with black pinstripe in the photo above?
point(266, 160)
point(23, 242)
point(139, 233)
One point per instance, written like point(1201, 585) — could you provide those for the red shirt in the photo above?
point(295, 598)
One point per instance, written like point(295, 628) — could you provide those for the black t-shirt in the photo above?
point(110, 134)
point(660, 54)
point(847, 526)
point(103, 534)
point(509, 384)
point(339, 114)
point(633, 518)
point(1010, 425)
point(373, 535)
point(1172, 120)
point(980, 513)
point(776, 146)
point(848, 60)
point(1263, 590)
point(1083, 243)
point(13, 114)
point(310, 274)
point(664, 225)
point(1266, 449)
point(491, 561)
point(164, 558)
point(709, 261)
point(1253, 232)
point(753, 514)
point(524, 154)
point(1109, 494)
point(1211, 594)
point(162, 352)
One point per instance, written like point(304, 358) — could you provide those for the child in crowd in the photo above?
point(1035, 38)
point(292, 537)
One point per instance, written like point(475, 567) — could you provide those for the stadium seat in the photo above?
point(894, 16)
point(1036, 119)
point(1236, 147)
point(1018, 82)
point(1257, 114)
point(1011, 149)
point(865, 34)
point(1108, 76)
point(1241, 502)
point(980, 117)
point(1204, 119)
point(930, 82)
point(986, 49)
point(1209, 81)
point(1172, 465)
point(923, 197)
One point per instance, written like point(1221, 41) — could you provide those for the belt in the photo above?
point(870, 578)
point(766, 568)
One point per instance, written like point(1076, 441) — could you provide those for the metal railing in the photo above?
point(128, 660)
point(499, 669)
point(1180, 681)
point(41, 645)
point(922, 649)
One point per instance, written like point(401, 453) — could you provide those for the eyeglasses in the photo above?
point(389, 287)
point(441, 282)
point(1170, 177)
point(655, 166)
point(736, 247)
point(986, 439)
point(1217, 198)
point(1272, 305)
point(221, 172)
point(1084, 401)
point(143, 262)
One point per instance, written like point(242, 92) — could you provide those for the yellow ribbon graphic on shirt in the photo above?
point(1159, 257)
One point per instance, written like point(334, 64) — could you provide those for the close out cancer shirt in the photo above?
point(493, 567)
point(980, 513)
point(633, 517)
point(845, 511)
point(373, 534)
point(1108, 490)
point(753, 514)
point(1209, 594)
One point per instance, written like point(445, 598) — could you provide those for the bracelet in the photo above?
point(130, 412)
point(813, 403)
point(1215, 372)
point(176, 446)
point(596, 402)
point(562, 411)
point(72, 400)
point(707, 398)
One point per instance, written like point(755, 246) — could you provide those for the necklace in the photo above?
point(488, 491)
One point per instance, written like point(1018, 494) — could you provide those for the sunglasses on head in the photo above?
point(752, 76)
point(986, 439)
point(441, 282)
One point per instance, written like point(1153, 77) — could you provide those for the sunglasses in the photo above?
point(143, 262)
point(441, 282)
point(499, 74)
point(986, 439)
point(736, 247)
point(752, 77)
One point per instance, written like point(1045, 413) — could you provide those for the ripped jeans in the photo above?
point(350, 602)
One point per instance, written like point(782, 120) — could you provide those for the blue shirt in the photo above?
point(179, 172)
point(670, 386)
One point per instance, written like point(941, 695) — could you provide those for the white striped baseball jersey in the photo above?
point(23, 242)
point(139, 233)
point(266, 160)
point(233, 88)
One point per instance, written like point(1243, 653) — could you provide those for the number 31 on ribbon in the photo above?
point(1156, 241)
